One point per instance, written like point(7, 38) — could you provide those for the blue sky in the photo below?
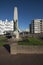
point(27, 10)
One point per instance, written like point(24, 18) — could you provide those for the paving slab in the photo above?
point(3, 51)
point(22, 59)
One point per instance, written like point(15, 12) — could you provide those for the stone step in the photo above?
point(16, 49)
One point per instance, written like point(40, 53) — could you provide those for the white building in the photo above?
point(10, 25)
point(5, 26)
point(37, 26)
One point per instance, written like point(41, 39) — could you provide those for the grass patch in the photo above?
point(2, 41)
point(35, 41)
point(30, 41)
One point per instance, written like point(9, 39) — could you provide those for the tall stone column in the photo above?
point(16, 33)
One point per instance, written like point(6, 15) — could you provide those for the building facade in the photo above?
point(5, 26)
point(10, 25)
point(36, 26)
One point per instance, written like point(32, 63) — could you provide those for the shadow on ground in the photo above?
point(7, 47)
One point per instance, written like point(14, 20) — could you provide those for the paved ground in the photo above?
point(28, 59)
point(3, 51)
point(19, 59)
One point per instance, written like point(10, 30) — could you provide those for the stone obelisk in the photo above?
point(16, 33)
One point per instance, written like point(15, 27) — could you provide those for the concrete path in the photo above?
point(3, 51)
point(22, 59)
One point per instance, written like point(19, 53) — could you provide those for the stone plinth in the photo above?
point(16, 49)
